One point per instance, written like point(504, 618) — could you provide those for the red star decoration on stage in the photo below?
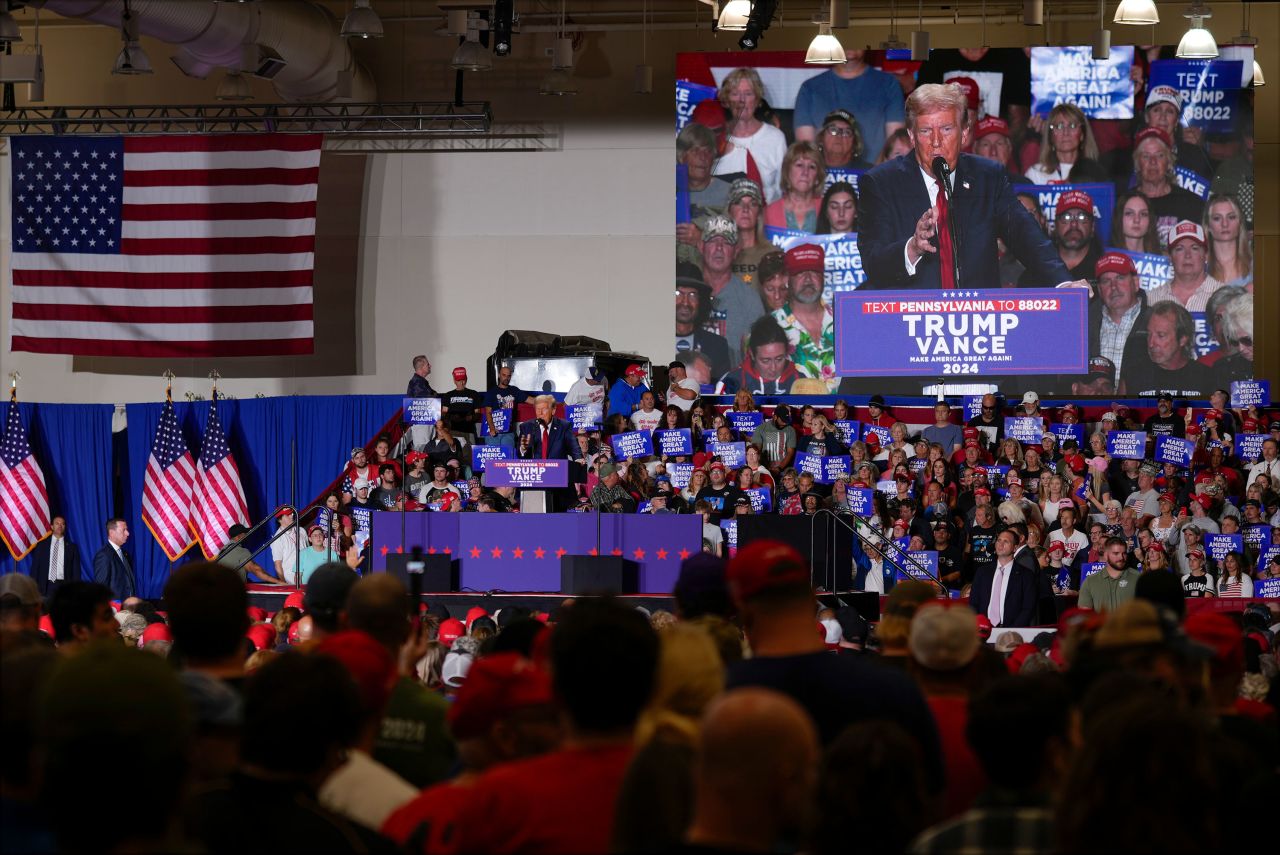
point(496, 552)
point(617, 552)
point(539, 552)
point(475, 552)
point(684, 553)
point(638, 553)
point(400, 550)
point(594, 552)
point(662, 554)
point(517, 553)
point(448, 550)
point(431, 550)
point(384, 550)
point(561, 552)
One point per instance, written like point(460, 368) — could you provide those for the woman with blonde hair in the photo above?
point(742, 94)
point(802, 182)
point(1068, 151)
point(1230, 256)
point(656, 798)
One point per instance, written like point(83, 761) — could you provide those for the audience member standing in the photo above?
point(111, 564)
point(55, 559)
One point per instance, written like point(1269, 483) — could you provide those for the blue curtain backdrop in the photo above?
point(72, 444)
point(280, 444)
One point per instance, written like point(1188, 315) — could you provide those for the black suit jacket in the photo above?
point(1021, 599)
point(560, 444)
point(892, 198)
point(109, 570)
point(40, 556)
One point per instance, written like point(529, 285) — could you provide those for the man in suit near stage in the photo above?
point(111, 565)
point(545, 437)
point(55, 559)
point(1007, 591)
point(903, 234)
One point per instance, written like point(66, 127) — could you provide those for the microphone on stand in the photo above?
point(942, 172)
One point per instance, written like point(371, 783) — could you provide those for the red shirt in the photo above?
point(965, 778)
point(561, 802)
point(430, 820)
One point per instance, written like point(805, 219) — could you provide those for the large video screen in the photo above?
point(1023, 218)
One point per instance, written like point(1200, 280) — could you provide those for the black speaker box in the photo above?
point(439, 572)
point(595, 574)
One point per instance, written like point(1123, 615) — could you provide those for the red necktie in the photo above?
point(944, 241)
point(546, 434)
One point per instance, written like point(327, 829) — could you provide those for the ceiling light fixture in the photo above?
point(1102, 38)
point(920, 37)
point(234, 87)
point(1033, 13)
point(644, 71)
point(825, 49)
point(734, 16)
point(471, 55)
point(1245, 38)
point(893, 42)
point(1137, 12)
point(362, 22)
point(558, 80)
point(9, 30)
point(132, 59)
point(1197, 42)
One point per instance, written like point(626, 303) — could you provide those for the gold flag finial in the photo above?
point(215, 377)
point(168, 376)
point(14, 377)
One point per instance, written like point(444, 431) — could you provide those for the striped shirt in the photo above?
point(1198, 300)
point(1114, 335)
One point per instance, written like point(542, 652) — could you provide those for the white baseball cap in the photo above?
point(1166, 94)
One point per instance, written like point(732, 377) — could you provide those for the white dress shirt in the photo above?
point(998, 592)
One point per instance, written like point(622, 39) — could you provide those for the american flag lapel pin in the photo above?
point(964, 184)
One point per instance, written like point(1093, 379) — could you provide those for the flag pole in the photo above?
point(168, 376)
point(14, 377)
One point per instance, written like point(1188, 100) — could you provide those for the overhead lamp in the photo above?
point(893, 42)
point(734, 16)
point(132, 59)
point(9, 31)
point(1033, 13)
point(1137, 12)
point(759, 21)
point(471, 55)
point(1101, 38)
point(920, 38)
point(234, 87)
point(1197, 42)
point(825, 49)
point(503, 20)
point(644, 71)
point(1258, 79)
point(558, 82)
point(362, 22)
point(1245, 38)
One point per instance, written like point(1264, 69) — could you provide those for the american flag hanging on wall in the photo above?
point(167, 487)
point(219, 497)
point(24, 500)
point(171, 246)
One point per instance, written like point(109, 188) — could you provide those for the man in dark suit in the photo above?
point(111, 566)
point(1007, 591)
point(55, 559)
point(903, 235)
point(545, 437)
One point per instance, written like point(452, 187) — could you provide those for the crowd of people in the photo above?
point(1172, 284)
point(749, 717)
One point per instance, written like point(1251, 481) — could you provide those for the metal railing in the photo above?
point(296, 527)
point(889, 551)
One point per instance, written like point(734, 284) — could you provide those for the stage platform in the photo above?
point(272, 598)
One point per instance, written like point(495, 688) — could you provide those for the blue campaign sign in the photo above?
point(1066, 432)
point(644, 507)
point(684, 213)
point(761, 500)
point(849, 176)
point(1172, 449)
point(1205, 342)
point(889, 488)
point(861, 501)
point(1210, 89)
point(730, 527)
point(834, 468)
point(1102, 89)
point(732, 454)
point(1089, 569)
point(939, 333)
point(1219, 545)
point(501, 423)
point(673, 443)
point(849, 430)
point(1249, 446)
point(842, 270)
point(708, 437)
point(917, 464)
point(1266, 589)
point(996, 475)
point(882, 433)
point(922, 565)
point(745, 423)
point(811, 463)
point(1192, 182)
point(1153, 269)
point(688, 96)
point(972, 406)
point(680, 474)
point(362, 519)
point(1103, 196)
point(1258, 536)
point(1028, 430)
point(634, 443)
point(1250, 393)
point(421, 411)
point(585, 416)
point(482, 454)
point(538, 474)
point(1127, 444)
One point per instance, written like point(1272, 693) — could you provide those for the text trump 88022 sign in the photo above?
point(945, 333)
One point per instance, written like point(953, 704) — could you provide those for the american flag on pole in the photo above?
point(24, 501)
point(219, 498)
point(167, 487)
point(177, 246)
